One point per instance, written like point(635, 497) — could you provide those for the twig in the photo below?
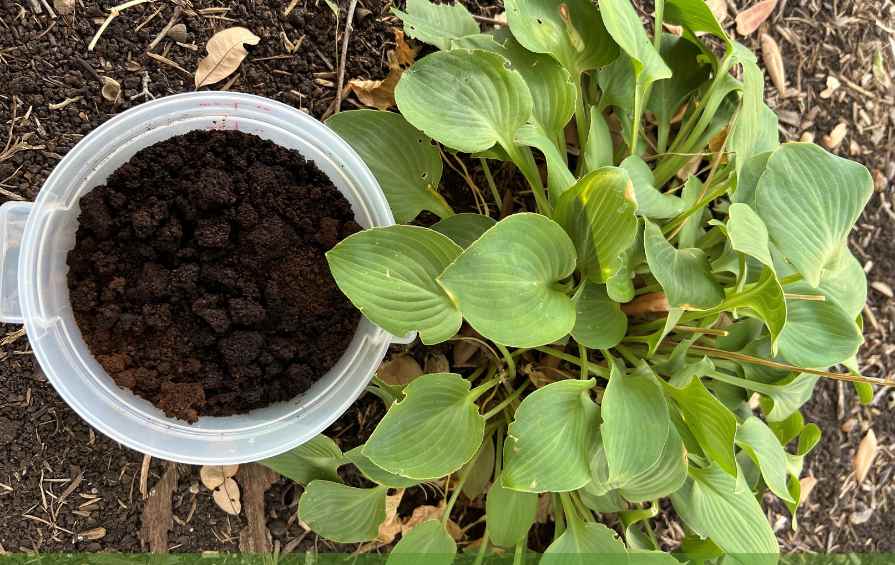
point(344, 56)
point(63, 104)
point(161, 35)
point(90, 70)
point(487, 20)
point(150, 18)
point(113, 13)
point(168, 62)
point(290, 7)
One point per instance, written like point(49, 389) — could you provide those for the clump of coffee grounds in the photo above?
point(198, 278)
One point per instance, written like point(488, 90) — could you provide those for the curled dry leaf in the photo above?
point(427, 512)
point(834, 139)
point(465, 349)
point(213, 476)
point(773, 62)
point(807, 485)
point(391, 526)
point(719, 9)
point(93, 534)
point(111, 90)
point(399, 370)
point(380, 94)
point(178, 33)
point(647, 303)
point(864, 457)
point(227, 497)
point(437, 362)
point(751, 19)
point(405, 55)
point(64, 7)
point(833, 85)
point(225, 53)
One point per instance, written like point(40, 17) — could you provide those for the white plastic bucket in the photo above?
point(36, 238)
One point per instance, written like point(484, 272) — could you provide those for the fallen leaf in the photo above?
point(213, 476)
point(64, 7)
point(93, 535)
point(545, 508)
point(111, 90)
point(437, 362)
point(424, 513)
point(379, 94)
point(647, 303)
point(690, 168)
point(227, 497)
point(807, 137)
point(833, 84)
point(465, 349)
point(773, 62)
point(806, 485)
point(879, 69)
point(859, 517)
point(225, 53)
point(719, 9)
point(405, 55)
point(178, 33)
point(391, 526)
point(864, 457)
point(749, 20)
point(834, 139)
point(399, 370)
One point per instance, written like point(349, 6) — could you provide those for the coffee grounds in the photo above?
point(199, 280)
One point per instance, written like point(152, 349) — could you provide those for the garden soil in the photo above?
point(50, 97)
point(198, 278)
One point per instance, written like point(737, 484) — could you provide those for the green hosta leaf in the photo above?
point(617, 85)
point(692, 231)
point(788, 395)
point(765, 298)
point(478, 477)
point(817, 334)
point(635, 423)
point(432, 432)
point(755, 129)
point(720, 507)
point(428, 542)
point(468, 100)
point(664, 478)
point(598, 214)
point(319, 458)
point(465, 228)
point(511, 273)
point(509, 514)
point(552, 439)
point(579, 44)
point(845, 284)
point(620, 286)
point(375, 473)
point(712, 424)
point(810, 199)
point(599, 321)
point(582, 542)
point(695, 16)
point(625, 27)
point(748, 234)
point(685, 274)
point(655, 339)
point(687, 75)
point(436, 24)
point(747, 181)
point(389, 274)
point(650, 202)
point(559, 177)
point(405, 162)
point(788, 429)
point(598, 147)
point(759, 441)
point(341, 513)
point(808, 439)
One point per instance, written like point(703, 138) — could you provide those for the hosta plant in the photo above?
point(688, 272)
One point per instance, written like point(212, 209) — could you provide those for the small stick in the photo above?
point(344, 56)
point(487, 20)
point(168, 62)
point(113, 13)
point(161, 35)
point(90, 70)
point(150, 18)
point(290, 7)
point(706, 331)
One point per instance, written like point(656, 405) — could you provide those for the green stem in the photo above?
point(491, 184)
point(525, 161)
point(582, 509)
point(660, 17)
point(595, 369)
point(718, 191)
point(477, 373)
point(626, 352)
point(464, 473)
point(582, 353)
point(483, 388)
point(791, 279)
point(508, 357)
point(480, 555)
point(568, 508)
point(519, 554)
point(507, 401)
point(582, 124)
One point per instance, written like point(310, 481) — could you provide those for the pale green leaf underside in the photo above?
point(538, 26)
point(817, 334)
point(436, 24)
point(764, 447)
point(375, 473)
point(559, 177)
point(695, 16)
point(598, 147)
point(468, 100)
point(428, 542)
point(685, 274)
point(581, 543)
point(755, 130)
point(720, 507)
point(809, 199)
point(504, 283)
point(599, 321)
point(598, 213)
point(748, 234)
point(509, 514)
point(464, 228)
point(319, 458)
point(625, 27)
point(403, 160)
point(650, 202)
point(552, 438)
point(765, 298)
point(341, 513)
point(389, 274)
point(663, 478)
point(432, 432)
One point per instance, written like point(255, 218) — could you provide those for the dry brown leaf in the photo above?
point(225, 53)
point(719, 9)
point(807, 137)
point(833, 85)
point(424, 513)
point(93, 535)
point(834, 139)
point(864, 457)
point(399, 370)
point(213, 476)
point(64, 7)
point(751, 19)
point(806, 485)
point(437, 362)
point(545, 508)
point(405, 55)
point(773, 62)
point(647, 303)
point(111, 90)
point(883, 289)
point(391, 526)
point(379, 94)
point(227, 498)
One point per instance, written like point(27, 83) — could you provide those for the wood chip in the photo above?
point(255, 479)
point(751, 19)
point(64, 7)
point(864, 457)
point(882, 288)
point(157, 512)
point(773, 62)
point(807, 485)
point(807, 137)
point(835, 137)
point(227, 497)
point(213, 476)
point(92, 535)
point(833, 85)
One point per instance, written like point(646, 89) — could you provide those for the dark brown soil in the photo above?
point(199, 280)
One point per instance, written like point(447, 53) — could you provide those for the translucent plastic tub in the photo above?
point(35, 239)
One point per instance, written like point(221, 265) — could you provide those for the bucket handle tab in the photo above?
point(13, 216)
